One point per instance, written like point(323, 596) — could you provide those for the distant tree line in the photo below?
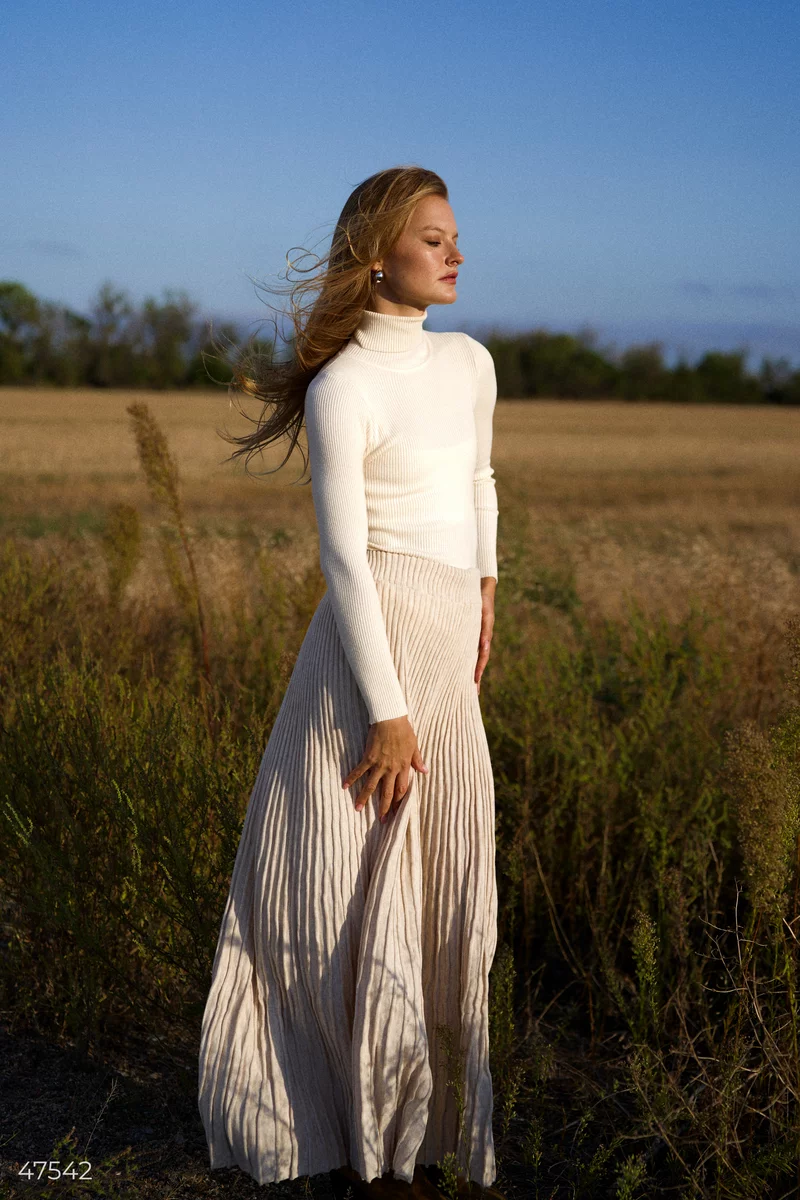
point(566, 365)
point(163, 344)
point(159, 344)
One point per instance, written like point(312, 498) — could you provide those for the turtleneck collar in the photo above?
point(390, 340)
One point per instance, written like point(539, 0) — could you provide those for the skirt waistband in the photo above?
point(424, 574)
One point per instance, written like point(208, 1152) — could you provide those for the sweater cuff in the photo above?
point(486, 513)
point(486, 522)
point(384, 709)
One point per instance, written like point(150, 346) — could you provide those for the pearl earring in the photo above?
point(377, 276)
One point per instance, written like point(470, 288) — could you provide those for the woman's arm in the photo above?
point(336, 428)
point(485, 491)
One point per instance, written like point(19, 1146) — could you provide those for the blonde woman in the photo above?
point(350, 981)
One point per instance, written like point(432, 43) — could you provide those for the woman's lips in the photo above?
point(449, 278)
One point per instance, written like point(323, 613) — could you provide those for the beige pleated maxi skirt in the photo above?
point(348, 1003)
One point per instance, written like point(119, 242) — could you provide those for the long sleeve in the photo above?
point(484, 486)
point(336, 428)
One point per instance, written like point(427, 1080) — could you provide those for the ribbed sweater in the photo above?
point(399, 431)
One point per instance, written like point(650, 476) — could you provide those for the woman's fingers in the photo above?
point(388, 789)
point(401, 785)
point(391, 790)
point(368, 787)
point(400, 789)
point(356, 773)
point(484, 649)
point(484, 644)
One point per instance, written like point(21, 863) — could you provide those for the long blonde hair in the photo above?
point(374, 216)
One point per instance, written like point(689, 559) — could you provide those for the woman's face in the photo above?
point(415, 273)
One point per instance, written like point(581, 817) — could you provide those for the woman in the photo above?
point(350, 982)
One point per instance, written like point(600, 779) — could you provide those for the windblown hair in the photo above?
point(372, 220)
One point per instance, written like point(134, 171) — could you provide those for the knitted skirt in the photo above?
point(347, 1017)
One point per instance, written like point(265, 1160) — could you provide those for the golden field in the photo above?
point(666, 503)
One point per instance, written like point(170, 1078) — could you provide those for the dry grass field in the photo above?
point(668, 504)
point(621, 841)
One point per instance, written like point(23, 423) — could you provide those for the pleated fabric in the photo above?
point(348, 1003)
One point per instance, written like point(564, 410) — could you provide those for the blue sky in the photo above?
point(632, 166)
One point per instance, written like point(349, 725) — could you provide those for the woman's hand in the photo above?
point(488, 586)
point(390, 753)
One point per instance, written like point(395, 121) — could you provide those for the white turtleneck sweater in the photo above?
point(399, 429)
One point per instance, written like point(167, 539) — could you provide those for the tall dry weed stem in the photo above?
point(161, 473)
